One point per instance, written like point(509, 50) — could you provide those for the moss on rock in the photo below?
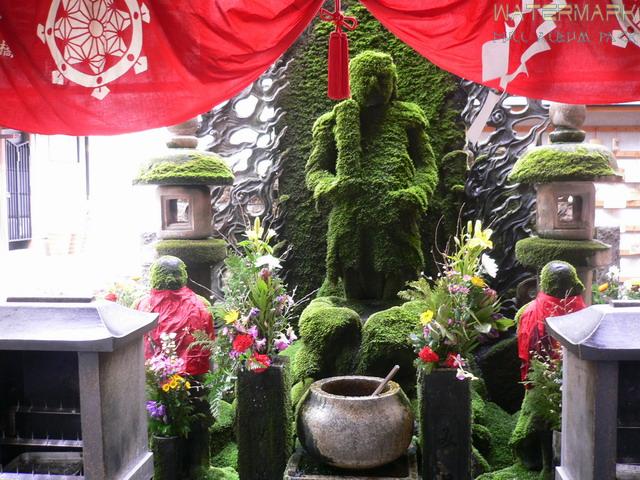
point(435, 91)
point(227, 457)
point(194, 252)
point(331, 335)
point(216, 473)
point(385, 343)
point(168, 273)
point(537, 252)
point(560, 279)
point(563, 162)
point(514, 472)
point(222, 431)
point(500, 366)
point(186, 167)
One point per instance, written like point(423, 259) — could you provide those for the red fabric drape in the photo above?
point(162, 61)
point(112, 66)
point(532, 330)
point(183, 313)
point(582, 56)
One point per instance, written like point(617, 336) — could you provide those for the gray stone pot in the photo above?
point(342, 426)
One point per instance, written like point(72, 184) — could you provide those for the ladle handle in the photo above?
point(386, 380)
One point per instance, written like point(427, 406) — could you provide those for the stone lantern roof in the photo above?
point(184, 166)
point(599, 333)
point(79, 327)
point(567, 158)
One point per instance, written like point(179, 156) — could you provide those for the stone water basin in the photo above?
point(340, 424)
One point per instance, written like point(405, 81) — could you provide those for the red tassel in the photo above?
point(338, 88)
point(338, 85)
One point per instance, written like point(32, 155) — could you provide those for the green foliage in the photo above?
point(168, 273)
point(331, 337)
point(226, 457)
point(560, 279)
point(222, 433)
point(537, 252)
point(186, 167)
point(194, 252)
point(554, 163)
point(378, 193)
point(434, 90)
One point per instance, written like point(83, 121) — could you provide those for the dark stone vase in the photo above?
point(168, 455)
point(264, 422)
point(445, 425)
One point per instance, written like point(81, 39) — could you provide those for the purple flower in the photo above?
point(292, 335)
point(253, 331)
point(281, 343)
point(466, 278)
point(490, 292)
point(156, 409)
point(260, 344)
point(254, 312)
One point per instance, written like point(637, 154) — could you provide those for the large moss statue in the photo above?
point(372, 162)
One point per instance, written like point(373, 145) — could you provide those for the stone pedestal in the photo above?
point(445, 425)
point(264, 422)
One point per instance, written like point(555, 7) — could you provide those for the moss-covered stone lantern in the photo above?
point(184, 177)
point(564, 174)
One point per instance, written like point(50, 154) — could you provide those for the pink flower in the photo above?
point(253, 331)
point(265, 274)
point(281, 343)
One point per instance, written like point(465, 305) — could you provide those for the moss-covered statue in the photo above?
point(560, 290)
point(371, 161)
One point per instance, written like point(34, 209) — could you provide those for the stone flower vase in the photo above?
point(168, 455)
point(445, 425)
point(264, 422)
point(340, 424)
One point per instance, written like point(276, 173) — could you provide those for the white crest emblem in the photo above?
point(94, 42)
point(629, 21)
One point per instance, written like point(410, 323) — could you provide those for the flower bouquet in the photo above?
point(254, 316)
point(169, 407)
point(462, 309)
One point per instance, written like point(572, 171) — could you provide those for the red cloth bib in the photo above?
point(182, 312)
point(532, 330)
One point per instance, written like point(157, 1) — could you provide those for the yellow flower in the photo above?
point(603, 288)
point(231, 317)
point(478, 281)
point(166, 387)
point(173, 383)
point(480, 237)
point(187, 385)
point(426, 317)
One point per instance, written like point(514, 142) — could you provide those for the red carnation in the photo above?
point(428, 356)
point(260, 359)
point(242, 342)
point(111, 297)
point(452, 361)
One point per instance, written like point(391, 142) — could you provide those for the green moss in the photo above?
point(385, 343)
point(227, 457)
point(514, 472)
point(520, 312)
point(186, 167)
point(216, 473)
point(562, 162)
point(194, 252)
point(331, 337)
point(434, 90)
point(168, 273)
point(500, 367)
point(299, 389)
point(478, 462)
point(560, 279)
point(537, 252)
point(222, 434)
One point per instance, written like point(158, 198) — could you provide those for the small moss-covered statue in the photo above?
point(560, 290)
point(372, 162)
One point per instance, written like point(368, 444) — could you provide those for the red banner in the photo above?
point(96, 67)
point(111, 66)
point(570, 51)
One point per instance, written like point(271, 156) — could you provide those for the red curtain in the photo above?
point(110, 66)
point(569, 51)
point(83, 67)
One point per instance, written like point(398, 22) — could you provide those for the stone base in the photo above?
point(302, 467)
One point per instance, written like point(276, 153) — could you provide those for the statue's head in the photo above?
point(168, 273)
point(559, 279)
point(373, 78)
